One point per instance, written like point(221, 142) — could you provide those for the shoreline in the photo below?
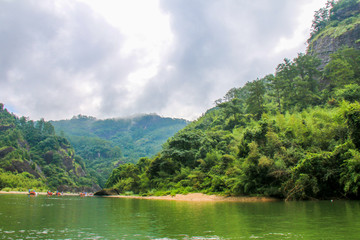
point(200, 197)
point(191, 197)
point(39, 193)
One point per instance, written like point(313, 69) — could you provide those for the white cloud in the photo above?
point(115, 58)
point(302, 27)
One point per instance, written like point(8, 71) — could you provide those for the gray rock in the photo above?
point(324, 46)
point(107, 192)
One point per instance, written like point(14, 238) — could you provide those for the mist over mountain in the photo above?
point(106, 143)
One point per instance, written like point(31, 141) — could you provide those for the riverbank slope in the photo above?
point(191, 197)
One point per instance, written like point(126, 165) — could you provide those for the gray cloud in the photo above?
point(51, 55)
point(59, 58)
point(218, 45)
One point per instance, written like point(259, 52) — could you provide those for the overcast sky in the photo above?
point(117, 58)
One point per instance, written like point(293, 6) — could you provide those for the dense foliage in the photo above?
point(293, 134)
point(104, 144)
point(33, 156)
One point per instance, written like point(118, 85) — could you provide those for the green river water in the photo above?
point(42, 217)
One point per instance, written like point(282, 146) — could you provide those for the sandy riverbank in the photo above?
point(191, 197)
point(40, 193)
point(200, 197)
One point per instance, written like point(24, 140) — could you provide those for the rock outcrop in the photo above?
point(107, 192)
point(343, 30)
point(326, 45)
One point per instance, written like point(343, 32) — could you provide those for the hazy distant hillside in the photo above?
point(137, 137)
point(103, 144)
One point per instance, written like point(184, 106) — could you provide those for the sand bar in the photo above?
point(200, 197)
point(191, 197)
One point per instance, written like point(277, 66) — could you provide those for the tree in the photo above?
point(350, 176)
point(321, 19)
point(286, 74)
point(232, 108)
point(255, 101)
point(182, 148)
point(307, 68)
point(349, 93)
point(276, 91)
point(352, 116)
point(344, 67)
point(338, 72)
point(335, 6)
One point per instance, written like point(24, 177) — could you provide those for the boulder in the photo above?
point(107, 192)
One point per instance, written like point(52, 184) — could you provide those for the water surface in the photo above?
point(24, 217)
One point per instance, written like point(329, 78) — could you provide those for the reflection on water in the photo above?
point(110, 218)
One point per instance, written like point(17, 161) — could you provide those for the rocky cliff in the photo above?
point(343, 29)
point(33, 150)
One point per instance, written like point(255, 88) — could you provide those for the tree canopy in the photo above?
point(293, 135)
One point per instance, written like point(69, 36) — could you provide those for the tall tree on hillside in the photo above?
point(307, 67)
point(343, 67)
point(276, 88)
point(255, 101)
point(296, 82)
point(306, 83)
point(286, 73)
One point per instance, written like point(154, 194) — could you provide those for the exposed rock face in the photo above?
point(5, 151)
point(22, 166)
point(66, 188)
point(328, 43)
point(107, 192)
point(79, 171)
point(324, 46)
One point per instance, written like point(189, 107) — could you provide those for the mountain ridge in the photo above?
point(106, 143)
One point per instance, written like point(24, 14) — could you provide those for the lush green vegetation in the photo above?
point(33, 156)
point(104, 144)
point(20, 182)
point(293, 134)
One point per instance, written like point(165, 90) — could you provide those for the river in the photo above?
point(73, 217)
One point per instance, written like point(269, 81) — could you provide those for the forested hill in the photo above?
point(335, 25)
point(140, 136)
point(33, 156)
point(104, 144)
point(293, 134)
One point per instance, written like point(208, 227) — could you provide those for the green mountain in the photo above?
point(33, 156)
point(104, 144)
point(294, 134)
